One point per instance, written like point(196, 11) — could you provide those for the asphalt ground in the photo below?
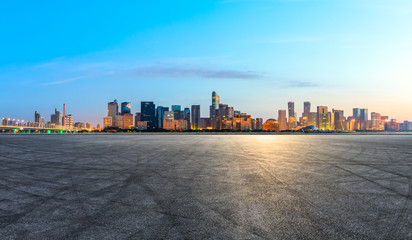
point(205, 186)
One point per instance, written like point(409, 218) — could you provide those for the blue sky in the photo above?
point(257, 55)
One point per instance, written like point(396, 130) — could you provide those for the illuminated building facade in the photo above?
point(119, 120)
point(176, 125)
point(283, 125)
point(311, 119)
point(141, 125)
point(292, 123)
point(320, 110)
point(68, 121)
point(128, 121)
point(375, 121)
point(271, 125)
point(326, 121)
point(392, 125)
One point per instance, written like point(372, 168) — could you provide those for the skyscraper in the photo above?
point(363, 119)
point(356, 112)
point(306, 109)
point(320, 110)
point(186, 117)
point(148, 114)
point(364, 114)
point(326, 121)
point(215, 104)
point(113, 111)
point(126, 107)
point(283, 124)
point(375, 121)
point(159, 116)
point(195, 117)
point(176, 111)
point(56, 118)
point(291, 109)
point(338, 120)
point(37, 117)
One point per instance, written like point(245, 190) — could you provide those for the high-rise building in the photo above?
point(113, 111)
point(312, 116)
point(68, 121)
point(356, 112)
point(88, 125)
point(148, 114)
point(107, 122)
point(363, 119)
point(56, 118)
point(364, 114)
point(339, 120)
point(326, 121)
point(259, 124)
point(159, 116)
point(128, 121)
point(177, 112)
point(306, 109)
point(392, 125)
point(186, 117)
point(119, 119)
point(126, 107)
point(320, 110)
point(215, 104)
point(283, 123)
point(168, 115)
point(291, 109)
point(375, 121)
point(292, 123)
point(195, 117)
point(37, 117)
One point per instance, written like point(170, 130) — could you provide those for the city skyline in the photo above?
point(221, 116)
point(258, 54)
point(204, 111)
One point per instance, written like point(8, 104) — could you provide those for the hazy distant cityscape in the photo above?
point(222, 117)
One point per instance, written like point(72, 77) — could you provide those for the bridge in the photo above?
point(50, 130)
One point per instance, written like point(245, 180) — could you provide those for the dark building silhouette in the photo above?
point(148, 114)
point(195, 117)
point(291, 109)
